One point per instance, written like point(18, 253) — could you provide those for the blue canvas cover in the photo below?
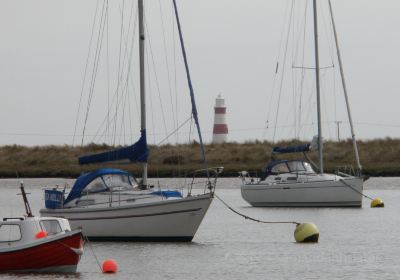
point(168, 194)
point(137, 152)
point(291, 149)
point(53, 198)
point(85, 179)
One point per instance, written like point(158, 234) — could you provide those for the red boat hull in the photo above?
point(56, 255)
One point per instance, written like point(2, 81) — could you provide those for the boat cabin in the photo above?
point(104, 187)
point(288, 166)
point(105, 180)
point(24, 230)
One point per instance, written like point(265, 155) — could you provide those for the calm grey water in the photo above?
point(354, 243)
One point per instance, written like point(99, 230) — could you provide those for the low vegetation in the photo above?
point(379, 157)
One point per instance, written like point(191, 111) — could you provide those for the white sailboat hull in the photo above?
point(345, 192)
point(167, 220)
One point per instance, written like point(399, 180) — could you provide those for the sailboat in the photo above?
point(111, 204)
point(297, 183)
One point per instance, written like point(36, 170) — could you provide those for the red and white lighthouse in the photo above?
point(220, 131)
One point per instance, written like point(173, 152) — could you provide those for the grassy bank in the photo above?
point(380, 157)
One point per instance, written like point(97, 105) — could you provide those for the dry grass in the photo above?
point(380, 157)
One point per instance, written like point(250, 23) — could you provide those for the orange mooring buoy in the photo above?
point(41, 234)
point(110, 266)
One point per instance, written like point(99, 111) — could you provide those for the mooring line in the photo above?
point(91, 249)
point(253, 219)
point(344, 183)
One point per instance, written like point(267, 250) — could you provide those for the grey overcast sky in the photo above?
point(232, 48)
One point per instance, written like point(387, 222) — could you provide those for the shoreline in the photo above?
point(379, 157)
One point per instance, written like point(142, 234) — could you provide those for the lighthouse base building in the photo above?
point(220, 130)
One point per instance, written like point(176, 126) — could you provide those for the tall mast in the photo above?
point(353, 136)
point(142, 82)
point(320, 147)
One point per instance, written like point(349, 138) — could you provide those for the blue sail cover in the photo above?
point(168, 194)
point(137, 152)
point(291, 149)
point(87, 178)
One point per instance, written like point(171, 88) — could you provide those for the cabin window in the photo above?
point(296, 166)
point(280, 168)
point(9, 233)
point(308, 167)
point(97, 185)
point(117, 181)
point(51, 226)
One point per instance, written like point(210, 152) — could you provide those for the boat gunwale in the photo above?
point(41, 241)
point(206, 196)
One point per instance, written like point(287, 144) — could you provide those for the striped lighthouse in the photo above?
point(220, 131)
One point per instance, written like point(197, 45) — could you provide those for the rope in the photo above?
point(253, 219)
point(364, 195)
point(94, 255)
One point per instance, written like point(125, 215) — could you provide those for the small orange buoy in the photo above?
point(110, 266)
point(41, 234)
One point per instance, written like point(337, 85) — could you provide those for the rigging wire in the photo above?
point(85, 72)
point(95, 67)
point(191, 91)
point(116, 101)
point(125, 103)
point(298, 28)
point(156, 77)
point(311, 102)
point(122, 124)
point(131, 69)
point(131, 60)
point(107, 140)
point(332, 47)
point(296, 22)
point(283, 69)
point(329, 39)
point(175, 73)
point(151, 100)
point(179, 151)
point(276, 70)
point(166, 61)
point(324, 102)
point(119, 68)
point(129, 111)
point(101, 128)
point(173, 132)
point(303, 72)
point(330, 43)
point(126, 63)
